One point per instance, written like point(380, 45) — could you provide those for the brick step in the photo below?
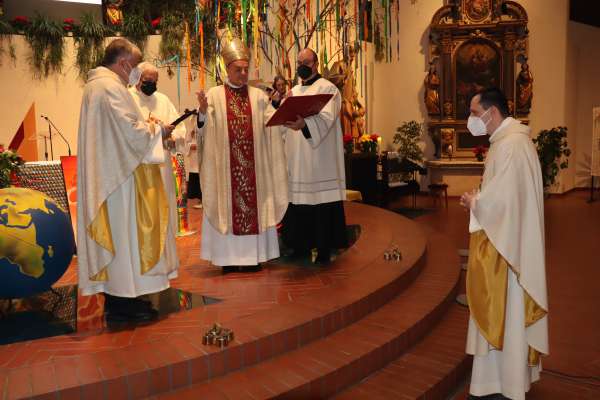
point(322, 368)
point(432, 369)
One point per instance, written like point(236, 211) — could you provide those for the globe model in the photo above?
point(36, 242)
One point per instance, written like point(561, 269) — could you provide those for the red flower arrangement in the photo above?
point(68, 24)
point(155, 23)
point(20, 22)
point(479, 152)
point(374, 137)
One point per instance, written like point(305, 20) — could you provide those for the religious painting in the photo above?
point(478, 66)
point(477, 10)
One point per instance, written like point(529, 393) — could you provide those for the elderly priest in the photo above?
point(124, 247)
point(242, 169)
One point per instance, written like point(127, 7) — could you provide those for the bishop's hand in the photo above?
point(202, 102)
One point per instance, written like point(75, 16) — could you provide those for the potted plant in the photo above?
point(68, 26)
point(348, 144)
point(136, 29)
point(9, 163)
point(89, 41)
point(407, 138)
point(6, 30)
point(553, 152)
point(45, 38)
point(20, 23)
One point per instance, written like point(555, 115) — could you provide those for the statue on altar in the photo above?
point(114, 12)
point(352, 115)
point(432, 91)
point(524, 88)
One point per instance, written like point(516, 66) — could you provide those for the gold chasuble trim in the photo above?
point(99, 231)
point(487, 283)
point(152, 214)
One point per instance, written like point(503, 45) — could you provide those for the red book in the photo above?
point(295, 106)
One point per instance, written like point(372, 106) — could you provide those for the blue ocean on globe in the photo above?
point(36, 242)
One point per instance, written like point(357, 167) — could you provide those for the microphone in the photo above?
point(58, 131)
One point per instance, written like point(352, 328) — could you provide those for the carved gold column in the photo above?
point(509, 68)
point(448, 102)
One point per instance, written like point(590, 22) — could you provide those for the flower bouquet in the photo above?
point(348, 143)
point(368, 143)
point(479, 152)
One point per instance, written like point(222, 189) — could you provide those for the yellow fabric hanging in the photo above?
point(99, 230)
point(487, 283)
point(152, 214)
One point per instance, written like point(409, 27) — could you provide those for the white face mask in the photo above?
point(134, 75)
point(476, 126)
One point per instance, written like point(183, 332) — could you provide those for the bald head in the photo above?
point(307, 58)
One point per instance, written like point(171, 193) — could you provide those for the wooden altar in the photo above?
point(474, 44)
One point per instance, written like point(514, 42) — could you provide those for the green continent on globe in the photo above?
point(18, 233)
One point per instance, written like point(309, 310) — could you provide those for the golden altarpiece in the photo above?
point(474, 44)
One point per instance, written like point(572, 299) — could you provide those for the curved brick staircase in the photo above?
point(361, 328)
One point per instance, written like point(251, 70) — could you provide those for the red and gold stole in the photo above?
point(241, 161)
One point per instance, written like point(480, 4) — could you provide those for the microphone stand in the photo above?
point(45, 147)
point(50, 123)
point(50, 136)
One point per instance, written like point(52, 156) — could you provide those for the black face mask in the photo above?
point(148, 87)
point(304, 72)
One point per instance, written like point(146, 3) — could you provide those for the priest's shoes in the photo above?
point(241, 268)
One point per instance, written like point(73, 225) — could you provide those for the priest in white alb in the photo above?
point(506, 276)
point(126, 244)
point(315, 152)
point(154, 104)
point(242, 169)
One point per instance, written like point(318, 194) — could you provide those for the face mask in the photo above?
point(304, 72)
point(148, 87)
point(476, 126)
point(134, 75)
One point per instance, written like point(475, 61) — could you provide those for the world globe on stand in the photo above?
point(36, 242)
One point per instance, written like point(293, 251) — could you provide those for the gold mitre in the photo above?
point(234, 50)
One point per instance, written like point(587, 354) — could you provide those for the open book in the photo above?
point(295, 106)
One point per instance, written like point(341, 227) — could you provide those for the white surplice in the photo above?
point(316, 164)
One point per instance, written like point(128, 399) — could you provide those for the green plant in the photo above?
point(9, 163)
point(136, 29)
point(553, 152)
point(171, 31)
point(45, 37)
point(407, 138)
point(6, 30)
point(89, 41)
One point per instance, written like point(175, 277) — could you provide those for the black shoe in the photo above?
point(133, 316)
point(228, 269)
point(250, 268)
point(299, 254)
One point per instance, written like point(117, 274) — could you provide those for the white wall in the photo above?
point(585, 42)
point(59, 96)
